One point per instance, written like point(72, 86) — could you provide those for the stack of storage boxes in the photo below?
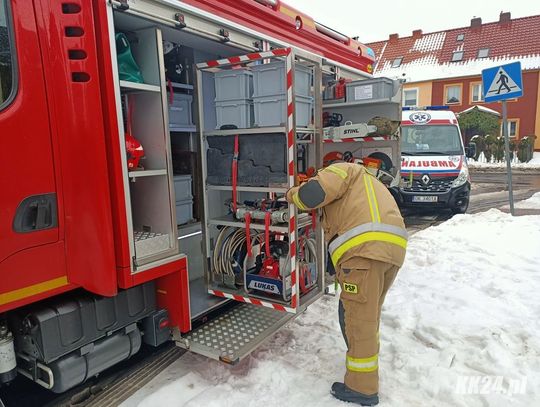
point(258, 96)
point(184, 199)
point(270, 94)
point(234, 106)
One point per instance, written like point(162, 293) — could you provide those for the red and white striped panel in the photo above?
point(351, 140)
point(253, 301)
point(291, 172)
point(255, 56)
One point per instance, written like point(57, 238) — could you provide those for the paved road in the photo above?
point(488, 190)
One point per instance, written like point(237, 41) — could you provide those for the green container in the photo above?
point(127, 67)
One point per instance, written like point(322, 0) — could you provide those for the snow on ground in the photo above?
point(465, 304)
point(533, 164)
point(532, 203)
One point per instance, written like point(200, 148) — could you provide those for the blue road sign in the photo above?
point(502, 82)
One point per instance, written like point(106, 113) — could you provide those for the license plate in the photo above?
point(424, 198)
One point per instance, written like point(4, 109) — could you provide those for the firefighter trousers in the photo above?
point(364, 284)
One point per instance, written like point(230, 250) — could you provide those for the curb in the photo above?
point(502, 170)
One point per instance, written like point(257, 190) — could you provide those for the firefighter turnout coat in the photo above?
point(367, 241)
point(360, 216)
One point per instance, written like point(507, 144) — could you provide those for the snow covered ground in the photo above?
point(461, 321)
point(532, 203)
point(481, 163)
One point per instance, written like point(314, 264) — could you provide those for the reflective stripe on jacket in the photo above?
point(360, 216)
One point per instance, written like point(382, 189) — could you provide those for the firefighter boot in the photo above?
point(343, 393)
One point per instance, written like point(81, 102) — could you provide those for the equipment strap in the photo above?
point(267, 234)
point(248, 235)
point(235, 172)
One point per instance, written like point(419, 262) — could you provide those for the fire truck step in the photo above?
point(234, 334)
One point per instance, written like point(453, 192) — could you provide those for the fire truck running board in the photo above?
point(235, 334)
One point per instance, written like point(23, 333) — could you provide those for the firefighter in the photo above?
point(367, 241)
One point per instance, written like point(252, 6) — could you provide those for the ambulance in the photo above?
point(434, 172)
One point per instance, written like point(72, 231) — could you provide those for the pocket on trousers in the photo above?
point(354, 284)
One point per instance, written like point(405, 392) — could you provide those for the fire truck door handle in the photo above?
point(36, 212)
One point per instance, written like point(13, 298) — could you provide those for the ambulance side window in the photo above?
point(7, 65)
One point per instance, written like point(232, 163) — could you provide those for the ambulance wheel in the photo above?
point(460, 209)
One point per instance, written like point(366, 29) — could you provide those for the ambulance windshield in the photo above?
point(430, 140)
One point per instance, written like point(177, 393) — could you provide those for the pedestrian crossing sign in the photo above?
point(502, 82)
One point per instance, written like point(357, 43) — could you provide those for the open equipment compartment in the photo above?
point(247, 172)
point(142, 114)
point(228, 323)
point(362, 124)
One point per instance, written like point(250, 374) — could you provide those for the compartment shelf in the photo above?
point(179, 85)
point(254, 130)
point(150, 243)
point(128, 86)
point(257, 130)
point(230, 220)
point(251, 294)
point(360, 103)
point(146, 173)
point(279, 190)
point(183, 129)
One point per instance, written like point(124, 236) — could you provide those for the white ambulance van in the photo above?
point(434, 168)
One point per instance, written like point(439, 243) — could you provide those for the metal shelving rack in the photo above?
point(297, 303)
point(151, 222)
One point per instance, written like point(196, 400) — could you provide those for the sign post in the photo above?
point(501, 83)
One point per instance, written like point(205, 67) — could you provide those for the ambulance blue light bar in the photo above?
point(441, 107)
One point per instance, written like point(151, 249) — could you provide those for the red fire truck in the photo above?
point(141, 194)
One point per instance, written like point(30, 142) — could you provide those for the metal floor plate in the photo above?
point(233, 335)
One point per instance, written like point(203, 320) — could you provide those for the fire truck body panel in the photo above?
point(65, 223)
point(28, 175)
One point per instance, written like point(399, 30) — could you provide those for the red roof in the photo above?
point(517, 39)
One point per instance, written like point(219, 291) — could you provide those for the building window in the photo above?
point(452, 94)
point(457, 56)
point(410, 97)
point(7, 77)
point(483, 52)
point(476, 92)
point(513, 128)
point(460, 37)
point(397, 62)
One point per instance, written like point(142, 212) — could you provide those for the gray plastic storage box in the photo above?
point(182, 187)
point(370, 89)
point(234, 112)
point(184, 211)
point(272, 110)
point(269, 79)
point(233, 84)
point(180, 111)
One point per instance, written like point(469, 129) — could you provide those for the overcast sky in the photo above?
point(374, 20)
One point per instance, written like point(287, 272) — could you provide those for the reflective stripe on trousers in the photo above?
point(363, 364)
